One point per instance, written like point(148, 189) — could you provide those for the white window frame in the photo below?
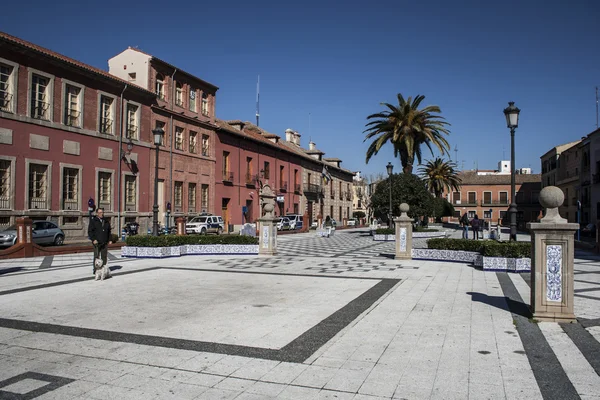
point(195, 197)
point(179, 143)
point(193, 105)
point(207, 147)
point(488, 213)
point(137, 119)
point(202, 187)
point(124, 191)
point(28, 162)
point(193, 149)
point(204, 104)
point(49, 95)
point(163, 86)
point(12, 187)
point(179, 92)
point(13, 84)
point(61, 197)
point(112, 186)
point(80, 105)
point(491, 197)
point(113, 111)
point(178, 207)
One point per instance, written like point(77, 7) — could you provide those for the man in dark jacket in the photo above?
point(99, 233)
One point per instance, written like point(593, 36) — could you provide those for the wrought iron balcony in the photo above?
point(494, 202)
point(40, 110)
point(106, 125)
point(38, 203)
point(72, 118)
point(332, 194)
point(131, 131)
point(4, 203)
point(297, 188)
point(283, 186)
point(227, 176)
point(313, 188)
point(70, 205)
point(5, 101)
point(348, 196)
point(251, 179)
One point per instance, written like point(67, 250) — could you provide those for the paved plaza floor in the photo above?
point(327, 318)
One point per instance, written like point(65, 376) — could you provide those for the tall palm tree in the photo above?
point(407, 127)
point(439, 176)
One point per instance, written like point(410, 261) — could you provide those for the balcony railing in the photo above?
point(297, 188)
point(312, 188)
point(4, 203)
point(106, 125)
point(227, 176)
point(283, 186)
point(131, 132)
point(251, 179)
point(332, 194)
point(40, 110)
point(38, 203)
point(70, 205)
point(494, 202)
point(5, 101)
point(72, 118)
point(348, 196)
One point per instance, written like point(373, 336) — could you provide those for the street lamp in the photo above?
point(390, 169)
point(512, 122)
point(158, 135)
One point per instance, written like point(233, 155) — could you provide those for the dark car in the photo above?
point(44, 232)
point(589, 230)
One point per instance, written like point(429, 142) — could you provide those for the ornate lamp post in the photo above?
point(390, 169)
point(158, 135)
point(512, 122)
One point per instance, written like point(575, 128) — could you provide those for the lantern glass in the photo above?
point(390, 168)
point(512, 115)
point(158, 134)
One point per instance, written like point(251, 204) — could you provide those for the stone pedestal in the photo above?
point(268, 237)
point(180, 226)
point(25, 235)
point(403, 234)
point(552, 259)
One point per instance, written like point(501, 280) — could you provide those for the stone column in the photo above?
point(180, 226)
point(403, 234)
point(552, 261)
point(268, 230)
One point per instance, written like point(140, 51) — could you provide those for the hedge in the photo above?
point(392, 231)
point(488, 248)
point(176, 240)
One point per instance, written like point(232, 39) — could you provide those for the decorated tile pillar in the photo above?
point(180, 226)
point(25, 235)
point(403, 234)
point(552, 261)
point(267, 229)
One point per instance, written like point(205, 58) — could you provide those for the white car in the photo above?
point(352, 222)
point(205, 224)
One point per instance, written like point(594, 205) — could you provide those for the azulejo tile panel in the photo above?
point(554, 272)
point(445, 255)
point(403, 239)
point(189, 249)
point(384, 238)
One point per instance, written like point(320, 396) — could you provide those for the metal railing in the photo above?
point(283, 186)
point(332, 194)
point(348, 196)
point(251, 179)
point(4, 203)
point(70, 205)
point(106, 125)
point(312, 188)
point(38, 203)
point(227, 176)
point(72, 118)
point(297, 188)
point(40, 110)
point(5, 101)
point(131, 132)
point(494, 202)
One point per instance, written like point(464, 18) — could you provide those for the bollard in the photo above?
point(403, 234)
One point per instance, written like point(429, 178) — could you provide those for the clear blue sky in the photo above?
point(338, 62)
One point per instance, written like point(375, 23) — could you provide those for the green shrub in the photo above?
point(488, 248)
point(385, 231)
point(175, 240)
point(422, 229)
point(492, 248)
point(114, 238)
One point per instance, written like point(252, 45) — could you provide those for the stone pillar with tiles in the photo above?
point(267, 232)
point(552, 259)
point(403, 234)
point(180, 226)
point(25, 235)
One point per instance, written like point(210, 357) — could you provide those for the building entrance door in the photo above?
point(225, 212)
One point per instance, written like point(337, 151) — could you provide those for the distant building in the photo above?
point(360, 199)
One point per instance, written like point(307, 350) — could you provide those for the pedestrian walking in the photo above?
point(476, 225)
point(100, 234)
point(464, 222)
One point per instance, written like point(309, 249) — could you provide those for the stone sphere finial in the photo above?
point(551, 197)
point(404, 208)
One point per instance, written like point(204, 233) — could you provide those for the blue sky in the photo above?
point(337, 63)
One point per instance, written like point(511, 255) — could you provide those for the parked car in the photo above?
point(295, 221)
point(589, 230)
point(282, 223)
point(352, 222)
point(205, 224)
point(44, 232)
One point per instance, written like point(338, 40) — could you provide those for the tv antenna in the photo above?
point(456, 154)
point(257, 100)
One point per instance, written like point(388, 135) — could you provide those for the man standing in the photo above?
point(464, 221)
point(99, 233)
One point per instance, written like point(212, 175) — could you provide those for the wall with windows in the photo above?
point(59, 143)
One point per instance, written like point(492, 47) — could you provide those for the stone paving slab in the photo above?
point(441, 330)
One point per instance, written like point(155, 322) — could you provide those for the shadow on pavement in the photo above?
point(10, 270)
point(115, 268)
point(515, 307)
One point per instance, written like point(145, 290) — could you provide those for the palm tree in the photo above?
point(407, 127)
point(439, 176)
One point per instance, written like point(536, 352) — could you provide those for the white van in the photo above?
point(295, 221)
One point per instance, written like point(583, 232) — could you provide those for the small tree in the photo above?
point(406, 188)
point(359, 214)
point(442, 208)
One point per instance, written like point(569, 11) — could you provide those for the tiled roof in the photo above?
point(472, 178)
point(49, 53)
point(174, 67)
